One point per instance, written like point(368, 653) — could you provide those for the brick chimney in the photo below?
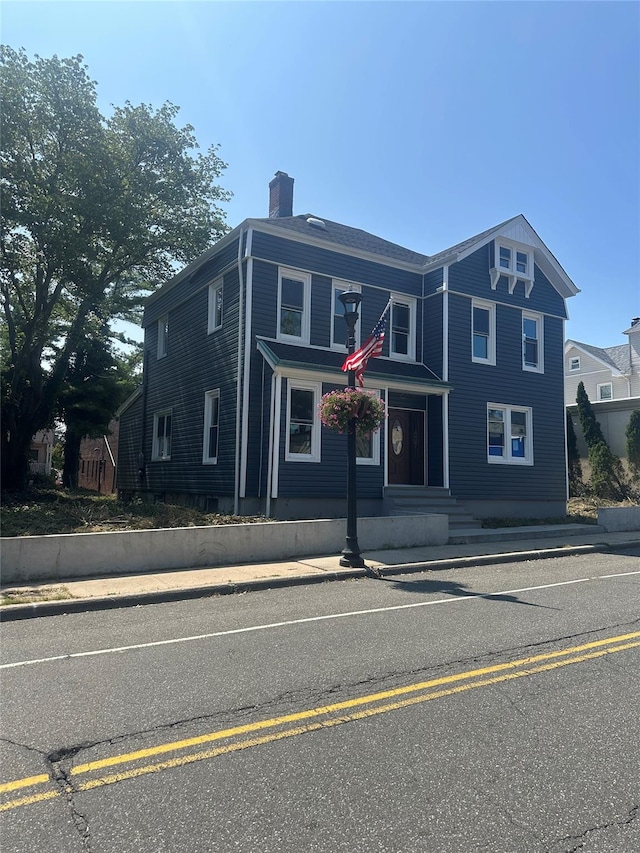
point(281, 196)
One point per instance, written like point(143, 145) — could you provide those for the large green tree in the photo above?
point(95, 213)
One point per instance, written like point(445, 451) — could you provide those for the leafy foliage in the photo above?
point(573, 459)
point(95, 212)
point(632, 435)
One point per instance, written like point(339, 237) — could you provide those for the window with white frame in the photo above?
point(605, 391)
point(574, 363)
point(532, 342)
point(509, 434)
point(368, 446)
point(303, 425)
point(338, 323)
point(483, 332)
point(163, 335)
point(402, 343)
point(294, 298)
point(211, 427)
point(215, 306)
point(161, 449)
point(514, 265)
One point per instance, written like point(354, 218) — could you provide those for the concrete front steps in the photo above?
point(423, 500)
point(538, 531)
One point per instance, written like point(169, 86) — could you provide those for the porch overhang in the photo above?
point(325, 365)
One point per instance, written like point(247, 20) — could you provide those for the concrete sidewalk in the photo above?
point(507, 545)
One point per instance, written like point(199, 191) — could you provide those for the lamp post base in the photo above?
point(350, 557)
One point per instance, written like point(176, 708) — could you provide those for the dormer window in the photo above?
point(513, 267)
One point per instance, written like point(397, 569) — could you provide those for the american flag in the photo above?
point(371, 348)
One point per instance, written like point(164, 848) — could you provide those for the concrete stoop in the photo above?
point(501, 534)
point(425, 500)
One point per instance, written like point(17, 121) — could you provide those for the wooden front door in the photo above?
point(405, 437)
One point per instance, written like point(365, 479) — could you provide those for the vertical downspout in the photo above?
point(272, 429)
point(236, 491)
point(445, 376)
point(566, 418)
point(248, 337)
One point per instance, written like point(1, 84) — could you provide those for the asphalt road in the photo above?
point(487, 709)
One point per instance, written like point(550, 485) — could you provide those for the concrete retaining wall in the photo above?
point(618, 519)
point(34, 558)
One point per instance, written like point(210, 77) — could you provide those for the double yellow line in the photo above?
point(312, 719)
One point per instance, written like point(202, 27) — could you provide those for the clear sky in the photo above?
point(421, 122)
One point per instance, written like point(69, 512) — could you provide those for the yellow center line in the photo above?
point(509, 671)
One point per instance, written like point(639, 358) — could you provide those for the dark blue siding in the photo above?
point(471, 276)
point(129, 447)
point(472, 477)
point(327, 479)
point(433, 333)
point(196, 362)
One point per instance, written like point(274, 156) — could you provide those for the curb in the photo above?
point(16, 612)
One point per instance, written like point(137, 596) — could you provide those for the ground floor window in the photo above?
point(303, 424)
point(161, 450)
point(509, 434)
point(211, 427)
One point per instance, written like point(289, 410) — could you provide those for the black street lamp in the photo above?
point(351, 553)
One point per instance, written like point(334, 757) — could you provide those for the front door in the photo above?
point(406, 447)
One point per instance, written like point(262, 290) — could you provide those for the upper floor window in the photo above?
point(509, 435)
point(161, 449)
point(303, 425)
point(211, 427)
point(338, 324)
point(163, 335)
point(605, 391)
point(513, 265)
point(402, 339)
point(532, 343)
point(483, 332)
point(294, 297)
point(574, 363)
point(215, 306)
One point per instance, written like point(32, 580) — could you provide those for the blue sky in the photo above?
point(422, 122)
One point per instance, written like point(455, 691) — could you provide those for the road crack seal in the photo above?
point(60, 775)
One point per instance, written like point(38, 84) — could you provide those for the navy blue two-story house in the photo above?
point(241, 345)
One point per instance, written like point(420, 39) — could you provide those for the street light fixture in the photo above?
point(351, 300)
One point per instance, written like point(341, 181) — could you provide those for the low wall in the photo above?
point(35, 558)
point(619, 518)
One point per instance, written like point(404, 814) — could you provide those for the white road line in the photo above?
point(252, 628)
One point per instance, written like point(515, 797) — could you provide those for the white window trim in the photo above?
point(155, 451)
point(572, 366)
point(163, 336)
point(303, 385)
point(410, 301)
point(539, 318)
point(305, 278)
point(342, 286)
point(214, 288)
point(491, 348)
point(375, 444)
point(604, 385)
point(209, 397)
point(508, 459)
point(511, 273)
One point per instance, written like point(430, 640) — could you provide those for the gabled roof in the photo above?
point(615, 358)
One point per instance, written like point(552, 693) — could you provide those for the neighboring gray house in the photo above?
point(611, 378)
point(240, 346)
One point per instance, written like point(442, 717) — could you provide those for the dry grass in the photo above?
point(33, 595)
point(54, 511)
point(583, 510)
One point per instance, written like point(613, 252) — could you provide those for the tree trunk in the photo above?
point(15, 458)
point(71, 459)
